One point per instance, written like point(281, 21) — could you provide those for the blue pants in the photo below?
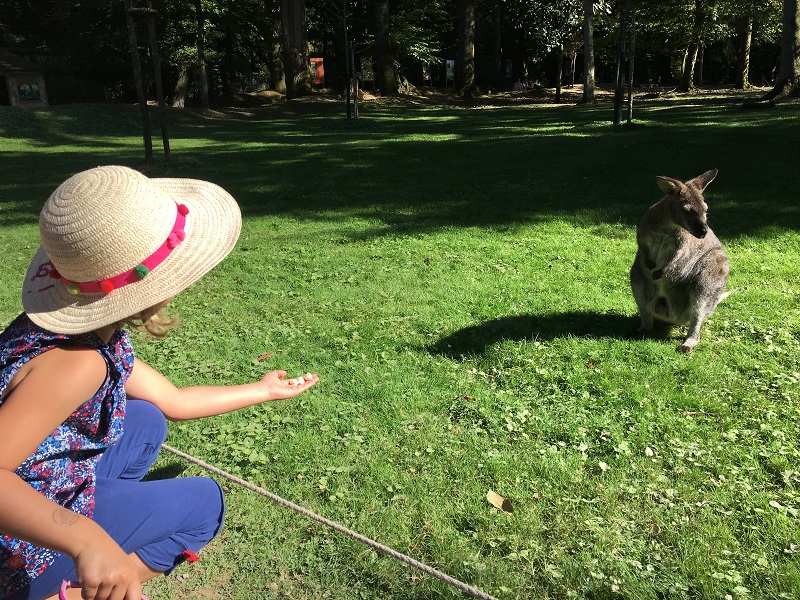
point(158, 520)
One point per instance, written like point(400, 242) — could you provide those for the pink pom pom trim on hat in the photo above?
point(106, 286)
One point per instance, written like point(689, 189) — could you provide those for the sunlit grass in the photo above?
point(458, 278)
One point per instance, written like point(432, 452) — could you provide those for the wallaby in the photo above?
point(681, 268)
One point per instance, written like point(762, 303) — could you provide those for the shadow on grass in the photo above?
point(412, 170)
point(170, 471)
point(476, 338)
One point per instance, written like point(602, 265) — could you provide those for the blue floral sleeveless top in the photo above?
point(62, 468)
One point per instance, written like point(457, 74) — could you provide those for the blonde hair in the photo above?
point(151, 320)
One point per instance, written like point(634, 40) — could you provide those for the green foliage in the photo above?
point(550, 24)
point(416, 27)
point(458, 279)
point(87, 53)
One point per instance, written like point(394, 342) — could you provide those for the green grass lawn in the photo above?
point(458, 277)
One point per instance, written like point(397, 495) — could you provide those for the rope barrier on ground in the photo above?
point(467, 589)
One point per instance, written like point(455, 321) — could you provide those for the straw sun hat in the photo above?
point(115, 242)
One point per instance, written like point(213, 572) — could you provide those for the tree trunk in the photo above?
point(274, 46)
point(788, 82)
point(743, 59)
point(619, 88)
point(588, 52)
point(354, 80)
point(201, 54)
point(151, 25)
point(386, 69)
point(296, 65)
point(559, 71)
point(137, 76)
point(349, 75)
point(228, 70)
point(179, 96)
point(497, 51)
point(573, 59)
point(698, 70)
point(631, 64)
point(689, 61)
point(790, 42)
point(465, 56)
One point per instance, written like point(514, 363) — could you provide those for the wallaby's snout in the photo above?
point(699, 230)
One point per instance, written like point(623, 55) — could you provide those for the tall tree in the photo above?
point(497, 43)
point(418, 31)
point(588, 52)
point(692, 51)
point(551, 26)
point(156, 56)
point(745, 42)
point(788, 81)
point(227, 68)
point(386, 76)
point(754, 23)
point(664, 32)
point(137, 73)
point(465, 57)
point(201, 53)
point(295, 48)
point(568, 49)
point(274, 46)
point(622, 37)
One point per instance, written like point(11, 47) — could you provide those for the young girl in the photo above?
point(82, 419)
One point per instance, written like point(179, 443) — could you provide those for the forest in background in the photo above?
point(210, 50)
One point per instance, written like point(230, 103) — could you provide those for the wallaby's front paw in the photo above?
point(684, 348)
point(658, 274)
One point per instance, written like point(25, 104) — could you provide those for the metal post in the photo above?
point(137, 75)
point(355, 80)
point(151, 24)
point(630, 69)
point(346, 57)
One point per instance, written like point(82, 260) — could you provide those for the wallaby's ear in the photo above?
point(668, 185)
point(701, 181)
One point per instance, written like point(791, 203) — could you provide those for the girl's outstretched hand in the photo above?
point(280, 388)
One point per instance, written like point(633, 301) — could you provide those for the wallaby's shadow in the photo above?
point(476, 338)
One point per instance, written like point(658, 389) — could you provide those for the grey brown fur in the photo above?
point(681, 268)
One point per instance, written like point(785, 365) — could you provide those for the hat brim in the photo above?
point(212, 228)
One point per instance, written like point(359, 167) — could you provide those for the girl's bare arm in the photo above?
point(194, 402)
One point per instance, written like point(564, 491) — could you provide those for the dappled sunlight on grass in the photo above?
point(488, 155)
